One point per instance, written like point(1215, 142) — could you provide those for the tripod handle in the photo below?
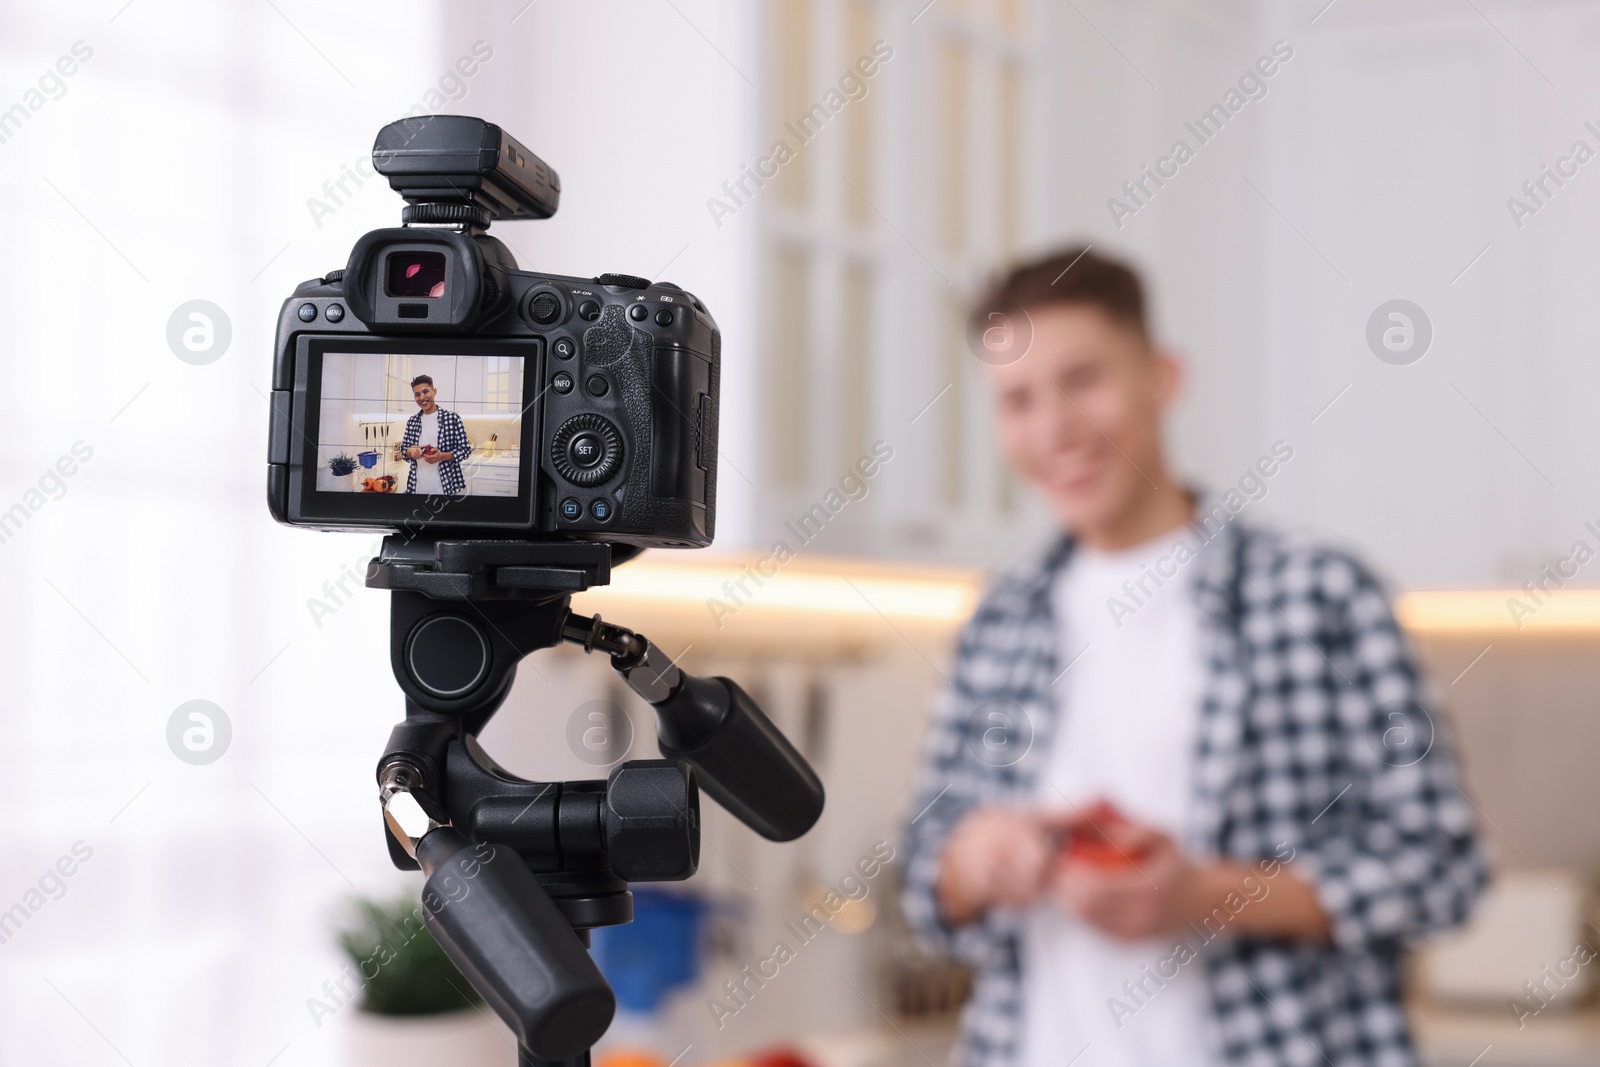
point(743, 761)
point(499, 926)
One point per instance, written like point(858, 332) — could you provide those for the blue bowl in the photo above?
point(656, 953)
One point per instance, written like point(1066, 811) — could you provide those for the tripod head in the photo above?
point(519, 871)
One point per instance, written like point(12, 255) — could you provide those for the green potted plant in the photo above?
point(344, 466)
point(413, 1005)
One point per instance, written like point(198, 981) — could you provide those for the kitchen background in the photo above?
point(367, 399)
point(170, 170)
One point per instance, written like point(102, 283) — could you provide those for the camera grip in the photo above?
point(743, 761)
point(499, 926)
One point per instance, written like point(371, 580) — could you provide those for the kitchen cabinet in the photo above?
point(494, 477)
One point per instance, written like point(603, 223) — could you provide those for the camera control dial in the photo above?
point(587, 449)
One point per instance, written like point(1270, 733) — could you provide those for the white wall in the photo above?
point(1389, 144)
point(644, 113)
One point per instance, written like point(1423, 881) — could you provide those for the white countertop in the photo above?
point(1455, 1036)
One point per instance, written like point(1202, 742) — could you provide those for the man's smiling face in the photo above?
point(1079, 415)
point(424, 395)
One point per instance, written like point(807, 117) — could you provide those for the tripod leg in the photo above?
point(525, 1058)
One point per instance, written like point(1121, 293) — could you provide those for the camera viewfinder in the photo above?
point(416, 274)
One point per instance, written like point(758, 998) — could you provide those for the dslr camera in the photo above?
point(517, 434)
point(433, 387)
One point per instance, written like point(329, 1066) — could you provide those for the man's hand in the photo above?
point(994, 856)
point(435, 457)
point(1151, 887)
point(1145, 886)
point(414, 452)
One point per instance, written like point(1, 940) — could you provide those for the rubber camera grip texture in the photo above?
point(627, 353)
point(499, 926)
point(743, 761)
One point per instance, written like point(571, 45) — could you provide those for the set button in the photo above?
point(586, 450)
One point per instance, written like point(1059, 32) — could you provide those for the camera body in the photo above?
point(433, 387)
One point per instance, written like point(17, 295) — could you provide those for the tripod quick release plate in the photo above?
point(493, 570)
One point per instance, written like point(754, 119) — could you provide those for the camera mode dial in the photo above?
point(587, 449)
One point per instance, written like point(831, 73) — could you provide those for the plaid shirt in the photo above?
point(1306, 671)
point(452, 438)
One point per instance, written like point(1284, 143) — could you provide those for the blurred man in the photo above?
point(1183, 804)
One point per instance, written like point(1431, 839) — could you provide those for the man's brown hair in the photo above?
point(1075, 275)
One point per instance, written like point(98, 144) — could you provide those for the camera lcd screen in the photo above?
point(416, 274)
point(445, 426)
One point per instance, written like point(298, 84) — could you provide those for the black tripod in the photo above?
point(518, 872)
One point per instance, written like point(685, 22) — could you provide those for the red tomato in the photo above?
point(1089, 843)
point(1098, 852)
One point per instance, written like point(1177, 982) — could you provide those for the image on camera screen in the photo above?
point(436, 425)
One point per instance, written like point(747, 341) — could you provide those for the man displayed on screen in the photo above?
point(434, 444)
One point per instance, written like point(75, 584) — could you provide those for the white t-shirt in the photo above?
point(428, 473)
point(1130, 706)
